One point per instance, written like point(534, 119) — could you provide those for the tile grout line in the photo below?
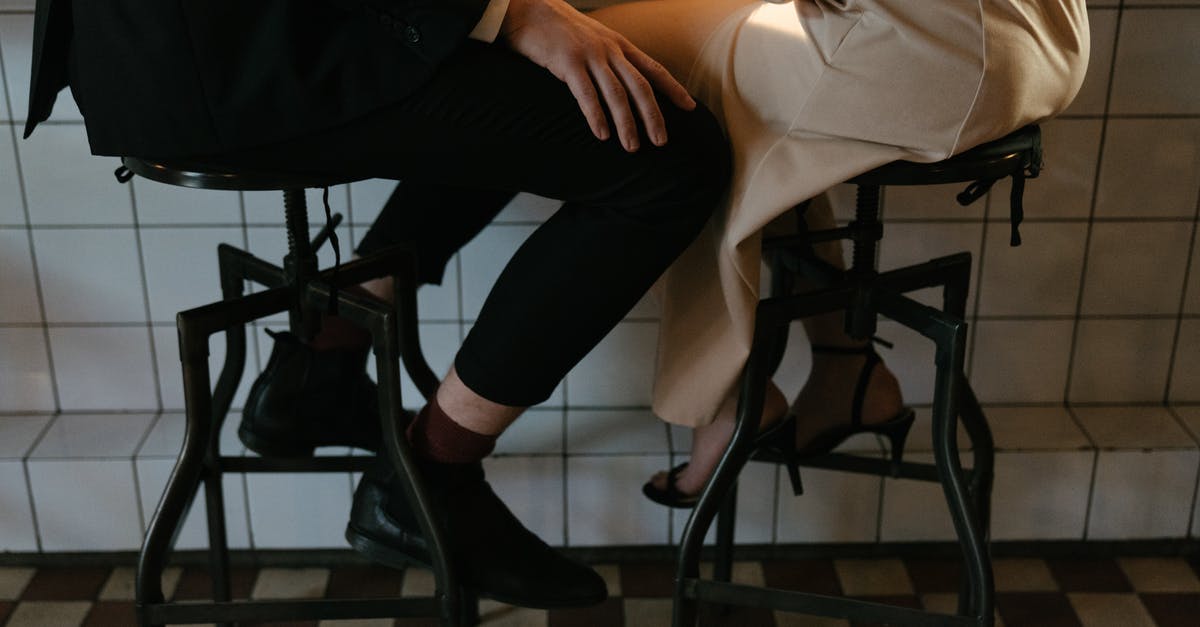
point(141, 256)
point(1183, 294)
point(1087, 512)
point(969, 365)
point(34, 267)
point(1196, 488)
point(1073, 352)
point(37, 530)
point(137, 480)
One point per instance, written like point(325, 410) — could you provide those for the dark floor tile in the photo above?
point(423, 621)
point(899, 601)
point(815, 576)
point(1195, 562)
point(293, 623)
point(6, 608)
point(1036, 609)
point(648, 579)
point(65, 584)
point(360, 582)
point(1089, 575)
point(717, 616)
point(610, 613)
point(194, 584)
point(111, 614)
point(1171, 609)
point(934, 576)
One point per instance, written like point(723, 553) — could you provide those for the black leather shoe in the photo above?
point(494, 554)
point(306, 398)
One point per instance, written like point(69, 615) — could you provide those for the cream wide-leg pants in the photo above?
point(814, 92)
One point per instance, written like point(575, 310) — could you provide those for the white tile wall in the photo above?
point(1121, 360)
point(90, 275)
point(604, 503)
point(1185, 376)
point(17, 436)
point(1020, 361)
point(107, 368)
point(20, 302)
point(835, 507)
point(1145, 81)
point(82, 477)
point(25, 371)
point(298, 510)
point(1166, 153)
point(92, 330)
point(11, 208)
point(1146, 472)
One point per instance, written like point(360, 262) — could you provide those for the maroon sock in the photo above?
point(434, 436)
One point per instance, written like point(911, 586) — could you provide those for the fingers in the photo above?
point(642, 94)
point(617, 99)
point(660, 78)
point(580, 84)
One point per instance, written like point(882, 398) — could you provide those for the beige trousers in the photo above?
point(812, 93)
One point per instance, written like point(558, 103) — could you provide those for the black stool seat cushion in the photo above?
point(1009, 155)
point(202, 175)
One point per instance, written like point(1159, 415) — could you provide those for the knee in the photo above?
point(698, 155)
point(692, 171)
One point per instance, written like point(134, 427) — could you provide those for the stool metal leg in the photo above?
point(949, 334)
point(195, 326)
point(381, 321)
point(232, 287)
point(723, 564)
point(721, 485)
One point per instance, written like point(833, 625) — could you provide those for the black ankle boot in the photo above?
point(306, 398)
point(494, 554)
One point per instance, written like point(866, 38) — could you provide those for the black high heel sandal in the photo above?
point(674, 497)
point(894, 429)
point(780, 439)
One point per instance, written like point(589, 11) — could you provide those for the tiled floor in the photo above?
point(1126, 592)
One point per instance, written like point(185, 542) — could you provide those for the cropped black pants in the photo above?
point(491, 124)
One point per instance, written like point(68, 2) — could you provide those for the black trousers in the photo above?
point(490, 124)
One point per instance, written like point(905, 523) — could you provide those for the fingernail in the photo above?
point(632, 145)
point(660, 139)
point(603, 134)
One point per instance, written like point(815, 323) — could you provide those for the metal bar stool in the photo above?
point(304, 292)
point(864, 293)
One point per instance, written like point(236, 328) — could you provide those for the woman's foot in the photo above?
point(709, 441)
point(826, 401)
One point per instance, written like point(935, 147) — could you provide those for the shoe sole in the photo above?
point(379, 552)
point(270, 448)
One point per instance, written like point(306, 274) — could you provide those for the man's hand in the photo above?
point(595, 62)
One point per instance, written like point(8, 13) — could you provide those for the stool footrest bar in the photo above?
point(239, 611)
point(861, 465)
point(345, 463)
point(818, 605)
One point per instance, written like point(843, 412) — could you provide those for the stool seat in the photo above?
point(1007, 156)
point(211, 175)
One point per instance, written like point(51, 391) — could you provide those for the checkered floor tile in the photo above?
point(1129, 592)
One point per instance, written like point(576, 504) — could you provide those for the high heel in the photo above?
point(779, 442)
point(672, 496)
point(895, 429)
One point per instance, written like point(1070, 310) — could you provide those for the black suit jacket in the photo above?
point(162, 78)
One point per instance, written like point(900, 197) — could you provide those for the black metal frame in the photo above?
point(864, 294)
point(300, 289)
